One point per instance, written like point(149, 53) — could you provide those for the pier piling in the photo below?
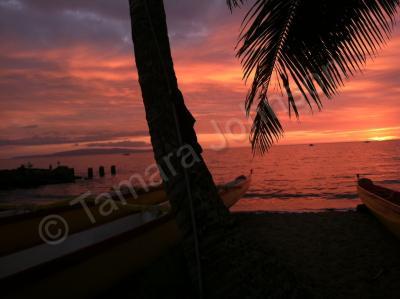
point(90, 173)
point(113, 170)
point(101, 171)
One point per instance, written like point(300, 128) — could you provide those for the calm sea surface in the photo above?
point(289, 178)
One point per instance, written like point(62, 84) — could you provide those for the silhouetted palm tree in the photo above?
point(314, 44)
point(311, 44)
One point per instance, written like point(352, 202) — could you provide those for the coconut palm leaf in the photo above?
point(313, 45)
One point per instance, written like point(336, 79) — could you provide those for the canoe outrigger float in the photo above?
point(94, 256)
point(384, 203)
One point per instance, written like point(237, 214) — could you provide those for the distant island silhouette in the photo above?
point(84, 152)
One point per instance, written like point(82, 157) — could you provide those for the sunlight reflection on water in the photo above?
point(288, 178)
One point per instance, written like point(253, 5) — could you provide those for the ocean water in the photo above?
point(295, 178)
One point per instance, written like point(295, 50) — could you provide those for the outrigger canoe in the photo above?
point(150, 196)
point(94, 256)
point(146, 197)
point(230, 192)
point(384, 203)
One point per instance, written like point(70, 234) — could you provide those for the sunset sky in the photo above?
point(68, 79)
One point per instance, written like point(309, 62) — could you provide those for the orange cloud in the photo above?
point(70, 83)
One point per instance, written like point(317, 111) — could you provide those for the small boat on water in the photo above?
point(384, 203)
point(96, 253)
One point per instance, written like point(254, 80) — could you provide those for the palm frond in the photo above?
point(234, 3)
point(312, 44)
point(266, 127)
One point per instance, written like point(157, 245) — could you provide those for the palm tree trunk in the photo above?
point(227, 256)
point(174, 140)
point(170, 123)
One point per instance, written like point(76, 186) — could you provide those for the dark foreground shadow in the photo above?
point(339, 255)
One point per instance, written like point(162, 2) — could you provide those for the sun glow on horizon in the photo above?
point(383, 138)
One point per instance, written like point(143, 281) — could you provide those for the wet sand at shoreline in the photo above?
point(337, 254)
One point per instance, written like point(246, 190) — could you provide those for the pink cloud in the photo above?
point(74, 83)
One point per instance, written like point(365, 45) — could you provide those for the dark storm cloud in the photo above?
point(191, 21)
point(115, 9)
point(119, 9)
point(63, 23)
point(47, 28)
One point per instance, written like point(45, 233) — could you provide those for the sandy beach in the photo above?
point(191, 149)
point(337, 254)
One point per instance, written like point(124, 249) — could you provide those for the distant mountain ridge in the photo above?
point(86, 152)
